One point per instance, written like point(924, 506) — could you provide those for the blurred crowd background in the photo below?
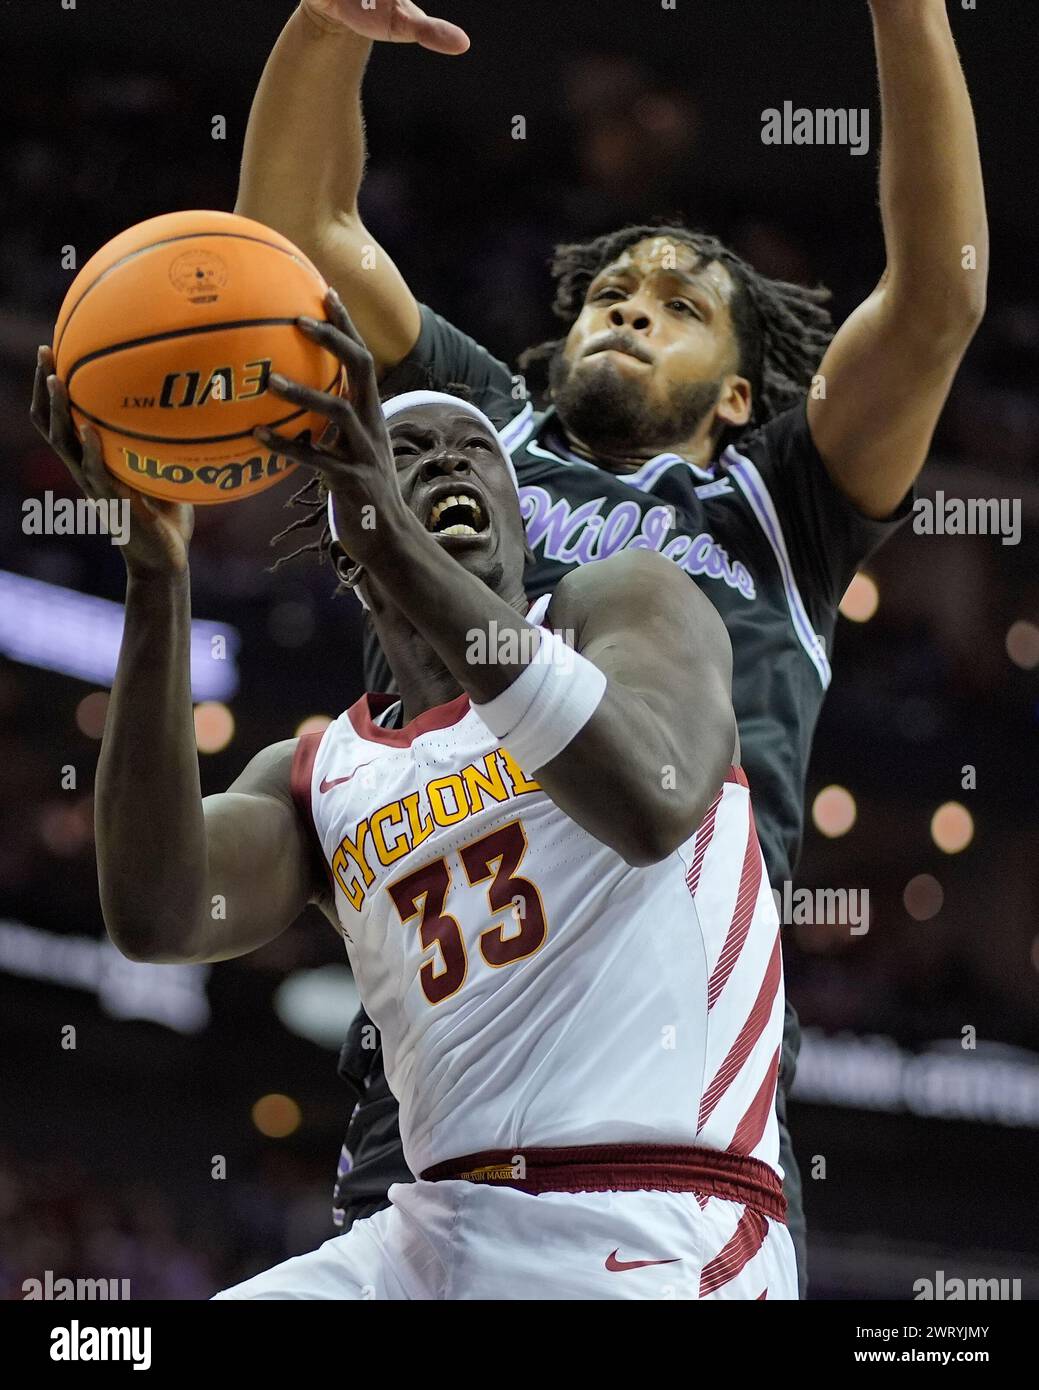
point(111, 1153)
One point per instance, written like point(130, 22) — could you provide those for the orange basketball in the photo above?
point(165, 342)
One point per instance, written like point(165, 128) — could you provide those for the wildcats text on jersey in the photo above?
point(582, 533)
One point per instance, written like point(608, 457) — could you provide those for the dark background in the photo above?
point(631, 110)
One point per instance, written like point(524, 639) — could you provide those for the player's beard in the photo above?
point(608, 410)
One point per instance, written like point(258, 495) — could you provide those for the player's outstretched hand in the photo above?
point(354, 456)
point(159, 531)
point(391, 21)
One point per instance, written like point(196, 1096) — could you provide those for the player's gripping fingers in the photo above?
point(364, 387)
point(86, 466)
point(49, 417)
point(100, 483)
point(59, 430)
point(334, 408)
point(40, 409)
point(82, 452)
point(341, 338)
point(63, 437)
point(336, 452)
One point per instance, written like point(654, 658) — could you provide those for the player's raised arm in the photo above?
point(889, 369)
point(630, 730)
point(180, 879)
point(304, 153)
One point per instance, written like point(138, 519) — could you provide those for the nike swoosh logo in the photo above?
point(616, 1266)
point(326, 786)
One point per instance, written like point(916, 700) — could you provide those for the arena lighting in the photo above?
point(1022, 642)
point(91, 712)
point(314, 724)
point(66, 827)
point(214, 726)
point(76, 634)
point(952, 827)
point(318, 1004)
point(276, 1116)
point(173, 995)
point(922, 897)
point(861, 599)
point(991, 1084)
point(834, 811)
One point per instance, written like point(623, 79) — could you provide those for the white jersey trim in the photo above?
point(752, 485)
point(516, 431)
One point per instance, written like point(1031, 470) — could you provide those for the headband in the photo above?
point(407, 401)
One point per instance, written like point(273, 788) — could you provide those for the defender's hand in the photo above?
point(354, 456)
point(159, 530)
point(390, 21)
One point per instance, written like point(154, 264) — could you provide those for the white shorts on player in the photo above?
point(463, 1240)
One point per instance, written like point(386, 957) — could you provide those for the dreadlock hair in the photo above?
point(313, 496)
point(781, 329)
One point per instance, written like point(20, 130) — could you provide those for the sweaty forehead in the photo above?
point(662, 253)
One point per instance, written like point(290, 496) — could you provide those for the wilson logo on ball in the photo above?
point(225, 477)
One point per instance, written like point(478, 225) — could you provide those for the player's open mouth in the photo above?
point(459, 513)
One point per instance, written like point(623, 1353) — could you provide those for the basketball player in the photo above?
point(678, 419)
point(577, 980)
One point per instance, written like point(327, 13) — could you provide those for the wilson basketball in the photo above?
point(166, 340)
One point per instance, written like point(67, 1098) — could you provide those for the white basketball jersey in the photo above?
point(531, 988)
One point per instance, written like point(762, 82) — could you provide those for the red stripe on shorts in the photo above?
point(739, 1250)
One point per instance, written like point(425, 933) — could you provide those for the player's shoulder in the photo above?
point(633, 570)
point(270, 771)
point(784, 435)
point(632, 585)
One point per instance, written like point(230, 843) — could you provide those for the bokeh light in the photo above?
point(861, 599)
point(91, 712)
point(276, 1116)
point(1023, 645)
point(67, 827)
point(315, 724)
point(952, 827)
point(214, 726)
point(834, 811)
point(923, 897)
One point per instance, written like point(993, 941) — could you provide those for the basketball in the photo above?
point(166, 340)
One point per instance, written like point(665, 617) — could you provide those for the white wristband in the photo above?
point(547, 705)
